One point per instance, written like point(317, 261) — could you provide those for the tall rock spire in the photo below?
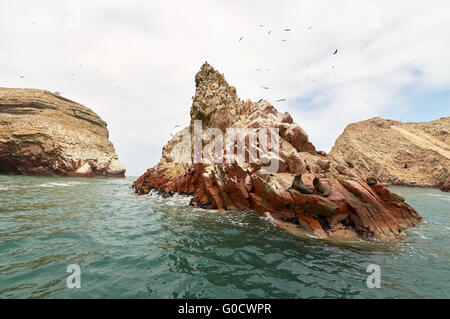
point(336, 202)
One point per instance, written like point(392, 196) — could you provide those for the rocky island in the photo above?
point(300, 189)
point(42, 133)
point(397, 153)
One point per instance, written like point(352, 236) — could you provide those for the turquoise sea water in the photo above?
point(130, 246)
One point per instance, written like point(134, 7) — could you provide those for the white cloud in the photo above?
point(134, 62)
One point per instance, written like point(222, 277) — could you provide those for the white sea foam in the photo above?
point(59, 184)
point(268, 218)
point(439, 197)
point(174, 200)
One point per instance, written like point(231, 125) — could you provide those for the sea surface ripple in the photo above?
point(130, 246)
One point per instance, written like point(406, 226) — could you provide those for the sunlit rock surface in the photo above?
point(397, 153)
point(42, 133)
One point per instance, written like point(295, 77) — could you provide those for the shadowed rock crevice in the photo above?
point(8, 167)
point(341, 205)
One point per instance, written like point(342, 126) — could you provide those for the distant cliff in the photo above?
point(413, 154)
point(42, 133)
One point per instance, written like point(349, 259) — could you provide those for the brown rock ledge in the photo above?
point(45, 134)
point(397, 153)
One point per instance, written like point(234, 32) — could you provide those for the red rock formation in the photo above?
point(45, 134)
point(352, 210)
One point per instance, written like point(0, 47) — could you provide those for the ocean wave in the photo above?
point(174, 200)
point(43, 185)
point(59, 184)
point(443, 196)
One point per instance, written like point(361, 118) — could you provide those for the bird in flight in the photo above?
point(264, 87)
point(310, 27)
point(287, 30)
point(335, 52)
point(270, 31)
point(241, 39)
point(21, 76)
point(281, 100)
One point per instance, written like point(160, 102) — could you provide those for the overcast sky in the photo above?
point(133, 62)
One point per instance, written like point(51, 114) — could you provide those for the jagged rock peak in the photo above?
point(217, 105)
point(208, 75)
point(212, 94)
point(305, 192)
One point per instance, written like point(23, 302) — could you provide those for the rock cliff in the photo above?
point(258, 172)
point(397, 153)
point(42, 133)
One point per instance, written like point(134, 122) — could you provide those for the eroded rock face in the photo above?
point(396, 153)
point(42, 133)
point(351, 209)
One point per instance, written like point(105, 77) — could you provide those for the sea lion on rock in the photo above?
point(341, 169)
point(322, 153)
point(371, 181)
point(307, 166)
point(321, 188)
point(298, 185)
point(350, 164)
point(325, 165)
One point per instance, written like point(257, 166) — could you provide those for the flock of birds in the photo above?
point(283, 40)
point(240, 39)
point(270, 31)
point(73, 75)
